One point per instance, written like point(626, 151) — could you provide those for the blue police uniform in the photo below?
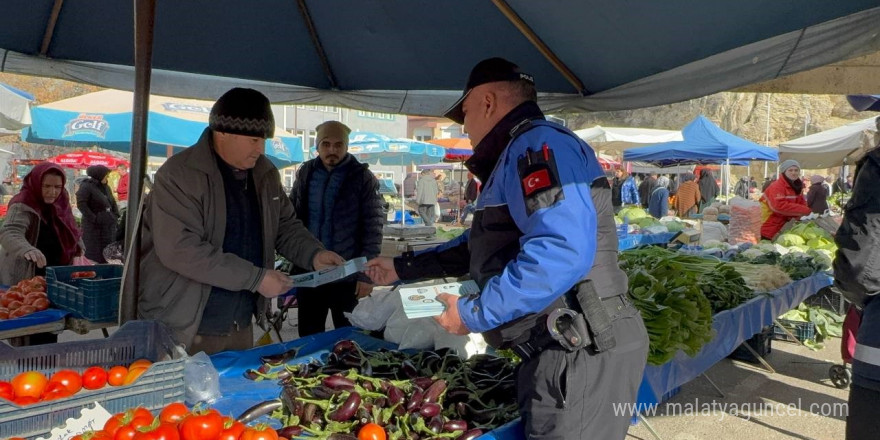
point(544, 223)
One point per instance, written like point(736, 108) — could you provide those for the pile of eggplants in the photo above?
point(426, 395)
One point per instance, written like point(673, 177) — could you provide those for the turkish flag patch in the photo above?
point(536, 181)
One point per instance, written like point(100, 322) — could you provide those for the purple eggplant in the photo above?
point(433, 393)
point(290, 431)
point(279, 358)
point(455, 425)
point(435, 425)
point(348, 408)
point(259, 410)
point(309, 413)
point(430, 409)
point(338, 383)
point(346, 346)
point(415, 401)
point(395, 395)
point(423, 382)
point(470, 435)
point(341, 436)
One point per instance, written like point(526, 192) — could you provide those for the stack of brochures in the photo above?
point(319, 277)
point(421, 301)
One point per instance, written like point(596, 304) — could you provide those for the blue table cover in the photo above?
point(41, 317)
point(636, 240)
point(732, 327)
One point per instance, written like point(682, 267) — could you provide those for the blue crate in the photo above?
point(92, 299)
point(161, 384)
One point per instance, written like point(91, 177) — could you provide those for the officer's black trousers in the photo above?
point(314, 302)
point(579, 395)
point(862, 422)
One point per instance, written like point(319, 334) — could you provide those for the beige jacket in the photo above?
point(182, 238)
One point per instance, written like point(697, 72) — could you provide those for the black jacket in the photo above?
point(99, 215)
point(357, 216)
point(856, 271)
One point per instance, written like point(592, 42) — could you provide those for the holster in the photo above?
point(599, 323)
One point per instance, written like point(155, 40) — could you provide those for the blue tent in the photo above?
point(864, 103)
point(704, 143)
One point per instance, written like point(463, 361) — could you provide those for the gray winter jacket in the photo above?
point(182, 238)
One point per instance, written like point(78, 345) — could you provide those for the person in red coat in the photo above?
point(122, 185)
point(783, 200)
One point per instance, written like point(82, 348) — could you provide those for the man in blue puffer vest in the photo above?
point(543, 249)
point(338, 199)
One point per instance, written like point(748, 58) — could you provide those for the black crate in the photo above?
point(828, 299)
point(760, 343)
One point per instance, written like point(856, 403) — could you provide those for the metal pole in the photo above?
point(144, 21)
point(767, 133)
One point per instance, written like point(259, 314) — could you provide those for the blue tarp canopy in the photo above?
point(864, 103)
point(413, 56)
point(704, 143)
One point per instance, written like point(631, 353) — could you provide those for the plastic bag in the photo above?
point(745, 221)
point(713, 231)
point(373, 312)
point(201, 379)
point(81, 260)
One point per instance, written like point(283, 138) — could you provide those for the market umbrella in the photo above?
point(375, 148)
point(14, 109)
point(85, 159)
point(104, 119)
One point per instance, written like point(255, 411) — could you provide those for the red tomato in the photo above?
point(4, 313)
point(55, 391)
point(173, 413)
point(116, 375)
point(371, 431)
point(41, 304)
point(259, 432)
point(69, 378)
point(164, 431)
point(25, 400)
point(207, 426)
point(14, 296)
point(29, 384)
point(14, 305)
point(232, 429)
point(94, 378)
point(133, 421)
point(6, 391)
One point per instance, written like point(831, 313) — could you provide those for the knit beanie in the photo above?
point(788, 164)
point(332, 129)
point(246, 112)
point(816, 179)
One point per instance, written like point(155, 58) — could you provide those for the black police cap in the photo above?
point(487, 71)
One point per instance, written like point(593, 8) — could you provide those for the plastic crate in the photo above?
point(828, 299)
point(761, 343)
point(91, 299)
point(160, 385)
point(803, 331)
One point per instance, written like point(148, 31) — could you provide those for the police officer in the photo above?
point(543, 249)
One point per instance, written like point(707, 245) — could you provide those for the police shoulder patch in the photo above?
point(539, 179)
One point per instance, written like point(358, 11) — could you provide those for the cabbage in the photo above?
point(646, 222)
point(817, 243)
point(617, 220)
point(633, 213)
point(821, 257)
point(673, 226)
point(790, 240)
point(752, 253)
point(710, 244)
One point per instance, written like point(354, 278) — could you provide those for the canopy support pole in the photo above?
point(539, 44)
point(144, 21)
point(319, 48)
point(50, 27)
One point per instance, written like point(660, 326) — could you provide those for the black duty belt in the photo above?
point(568, 328)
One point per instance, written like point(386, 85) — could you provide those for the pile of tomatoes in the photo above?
point(33, 386)
point(177, 422)
point(26, 297)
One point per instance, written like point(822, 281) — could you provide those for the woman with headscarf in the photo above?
point(99, 212)
point(658, 204)
point(39, 229)
point(708, 188)
point(817, 197)
point(783, 200)
point(688, 198)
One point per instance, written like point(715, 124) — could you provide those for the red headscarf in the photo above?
point(31, 194)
